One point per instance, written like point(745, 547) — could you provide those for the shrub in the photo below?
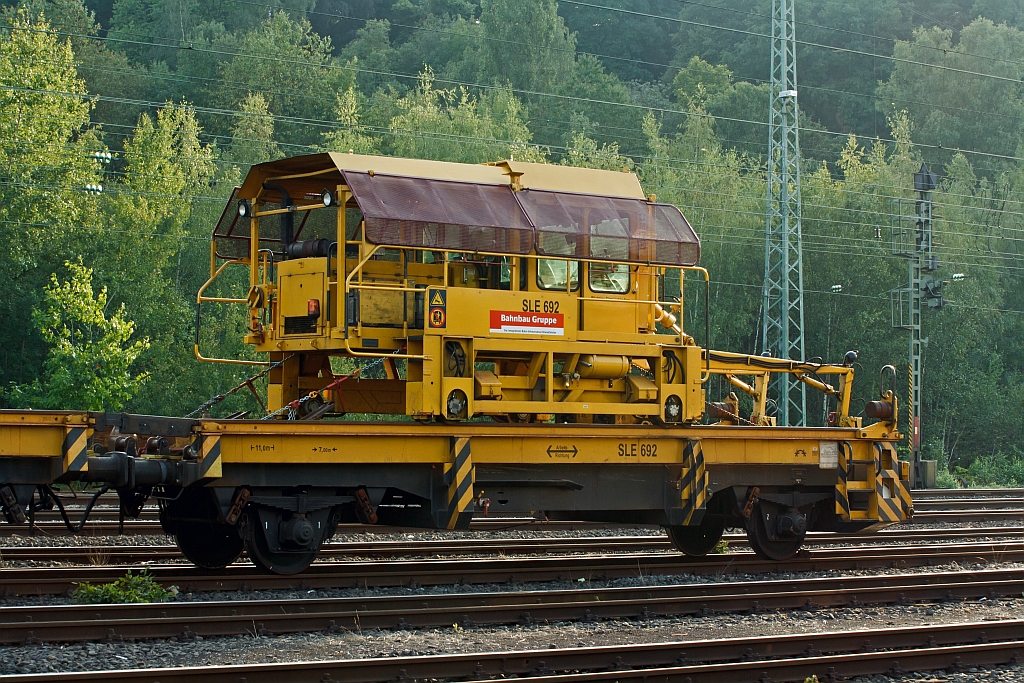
point(996, 470)
point(129, 588)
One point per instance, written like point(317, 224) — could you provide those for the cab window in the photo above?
point(609, 278)
point(609, 239)
point(554, 273)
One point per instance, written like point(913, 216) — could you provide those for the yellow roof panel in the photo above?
point(572, 179)
point(531, 175)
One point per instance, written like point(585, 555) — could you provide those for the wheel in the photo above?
point(210, 546)
point(763, 536)
point(276, 561)
point(280, 562)
point(699, 540)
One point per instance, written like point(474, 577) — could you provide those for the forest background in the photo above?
point(124, 124)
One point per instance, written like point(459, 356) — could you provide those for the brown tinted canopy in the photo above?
point(609, 228)
point(420, 212)
point(459, 215)
point(442, 214)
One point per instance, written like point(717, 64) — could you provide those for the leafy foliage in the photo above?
point(130, 588)
point(996, 470)
point(453, 125)
point(90, 354)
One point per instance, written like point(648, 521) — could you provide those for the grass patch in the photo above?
point(139, 587)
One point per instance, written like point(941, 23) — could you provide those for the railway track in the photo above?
point(929, 505)
point(186, 620)
point(147, 525)
point(107, 555)
point(783, 657)
point(392, 573)
point(111, 499)
point(923, 494)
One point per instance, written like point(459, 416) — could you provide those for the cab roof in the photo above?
point(316, 171)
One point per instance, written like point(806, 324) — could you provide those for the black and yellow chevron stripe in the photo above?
point(889, 509)
point(460, 476)
point(898, 506)
point(694, 485)
point(209, 456)
point(842, 494)
point(76, 450)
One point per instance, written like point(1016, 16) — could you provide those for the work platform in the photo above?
point(436, 475)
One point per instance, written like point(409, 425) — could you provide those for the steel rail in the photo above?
point(111, 499)
point(781, 657)
point(147, 527)
point(921, 494)
point(949, 505)
point(57, 580)
point(967, 516)
point(64, 623)
point(126, 554)
point(967, 504)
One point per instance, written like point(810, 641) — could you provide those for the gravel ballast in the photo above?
point(355, 644)
point(360, 644)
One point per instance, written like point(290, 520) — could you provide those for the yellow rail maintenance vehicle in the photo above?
point(523, 323)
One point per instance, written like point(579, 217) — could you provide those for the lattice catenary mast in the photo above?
point(783, 327)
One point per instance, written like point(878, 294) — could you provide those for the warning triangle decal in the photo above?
point(437, 299)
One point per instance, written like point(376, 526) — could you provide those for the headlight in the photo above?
point(244, 208)
point(327, 197)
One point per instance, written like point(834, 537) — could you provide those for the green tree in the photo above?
point(452, 47)
point(452, 125)
point(959, 110)
point(105, 71)
point(1009, 12)
point(526, 44)
point(90, 355)
point(372, 53)
point(638, 45)
point(156, 28)
point(349, 136)
point(835, 86)
point(293, 67)
point(698, 82)
point(252, 136)
point(583, 151)
point(725, 205)
point(45, 156)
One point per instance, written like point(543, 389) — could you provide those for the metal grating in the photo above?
point(300, 324)
point(610, 228)
point(460, 216)
point(231, 234)
point(442, 214)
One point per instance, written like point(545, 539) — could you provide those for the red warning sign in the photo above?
point(510, 322)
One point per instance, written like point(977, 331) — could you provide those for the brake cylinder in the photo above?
point(602, 367)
